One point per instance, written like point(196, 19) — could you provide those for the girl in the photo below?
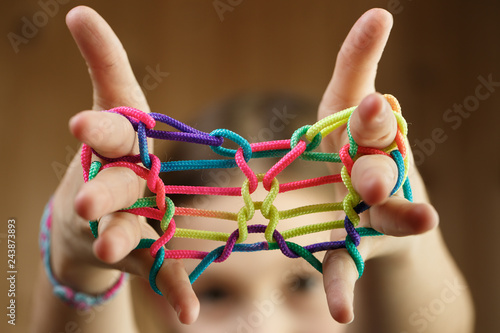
point(269, 293)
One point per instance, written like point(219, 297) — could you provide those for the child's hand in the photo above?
point(372, 125)
point(78, 261)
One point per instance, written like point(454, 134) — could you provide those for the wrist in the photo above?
point(84, 278)
point(81, 286)
point(71, 257)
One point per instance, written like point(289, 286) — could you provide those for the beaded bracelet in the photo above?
point(71, 297)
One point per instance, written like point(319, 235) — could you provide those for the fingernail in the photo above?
point(381, 117)
point(72, 120)
point(382, 114)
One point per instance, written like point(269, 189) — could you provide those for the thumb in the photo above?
point(112, 77)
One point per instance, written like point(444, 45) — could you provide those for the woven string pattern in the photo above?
point(301, 145)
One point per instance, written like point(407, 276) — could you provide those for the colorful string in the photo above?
point(160, 207)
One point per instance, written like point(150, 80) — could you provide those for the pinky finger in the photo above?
point(174, 283)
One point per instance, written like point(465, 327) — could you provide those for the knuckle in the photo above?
point(385, 139)
point(348, 55)
point(341, 258)
point(363, 37)
point(110, 61)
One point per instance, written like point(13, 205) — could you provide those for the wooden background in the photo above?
point(437, 51)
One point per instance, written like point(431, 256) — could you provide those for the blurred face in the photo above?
point(259, 291)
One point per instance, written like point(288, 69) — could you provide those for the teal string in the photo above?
point(238, 139)
point(95, 167)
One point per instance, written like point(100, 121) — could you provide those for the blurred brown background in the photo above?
point(436, 54)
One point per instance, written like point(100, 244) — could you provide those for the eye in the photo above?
point(214, 294)
point(303, 283)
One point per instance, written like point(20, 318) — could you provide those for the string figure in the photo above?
point(160, 207)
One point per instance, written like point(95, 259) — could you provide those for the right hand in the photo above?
point(78, 260)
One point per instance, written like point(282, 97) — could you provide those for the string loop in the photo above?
point(162, 208)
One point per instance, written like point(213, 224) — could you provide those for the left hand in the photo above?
point(372, 125)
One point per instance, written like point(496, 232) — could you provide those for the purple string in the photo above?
point(283, 246)
point(260, 228)
point(349, 227)
point(187, 134)
point(252, 229)
point(325, 246)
